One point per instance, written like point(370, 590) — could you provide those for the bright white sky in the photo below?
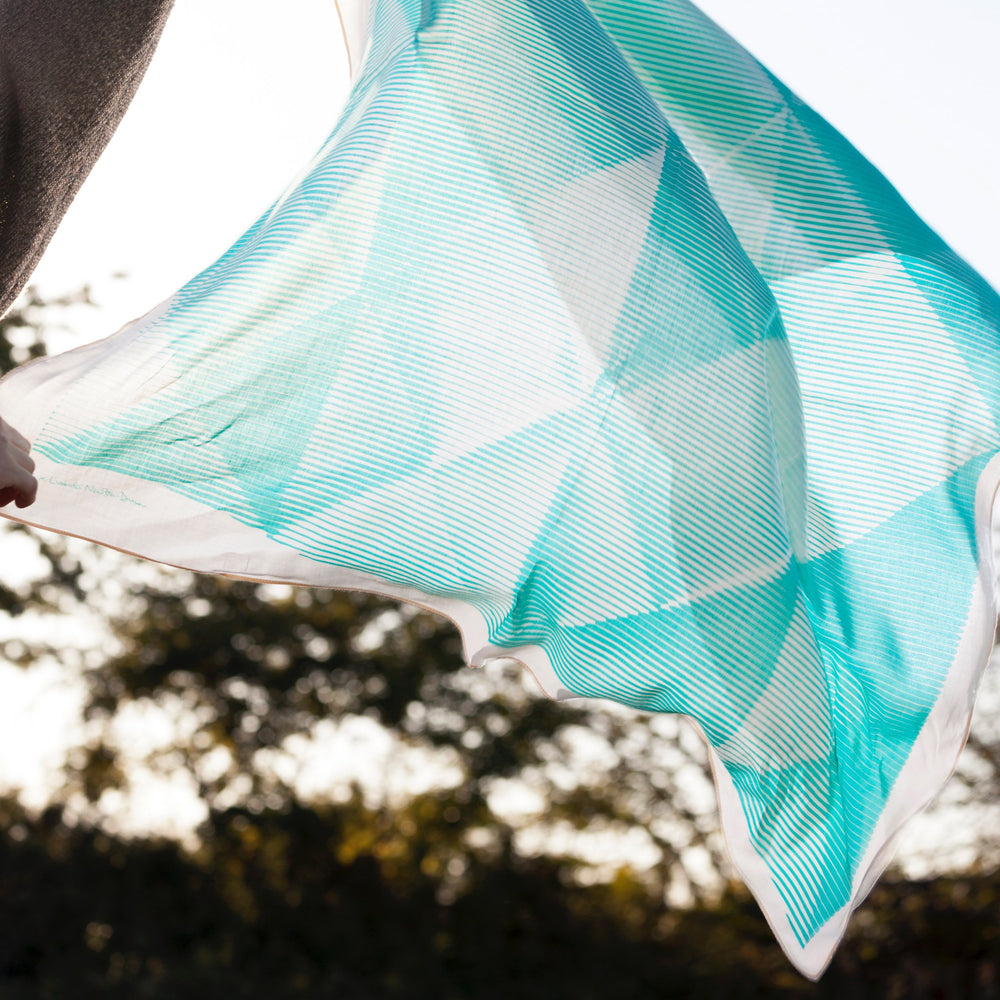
point(241, 92)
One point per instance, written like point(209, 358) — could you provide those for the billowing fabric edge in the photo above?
point(931, 761)
point(355, 16)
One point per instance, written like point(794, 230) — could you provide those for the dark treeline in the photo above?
point(272, 911)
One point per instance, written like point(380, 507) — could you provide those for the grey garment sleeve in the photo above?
point(68, 70)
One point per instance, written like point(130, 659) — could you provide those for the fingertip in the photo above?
point(13, 435)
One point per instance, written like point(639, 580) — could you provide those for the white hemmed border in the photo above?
point(355, 23)
point(152, 522)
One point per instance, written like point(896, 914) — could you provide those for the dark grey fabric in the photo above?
point(68, 69)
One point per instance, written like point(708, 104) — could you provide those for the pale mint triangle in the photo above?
point(584, 330)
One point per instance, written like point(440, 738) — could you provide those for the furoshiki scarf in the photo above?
point(582, 330)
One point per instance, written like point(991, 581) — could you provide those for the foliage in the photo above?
point(276, 910)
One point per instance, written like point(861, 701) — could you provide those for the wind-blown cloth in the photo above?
point(67, 73)
point(584, 331)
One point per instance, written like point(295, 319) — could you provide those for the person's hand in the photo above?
point(17, 484)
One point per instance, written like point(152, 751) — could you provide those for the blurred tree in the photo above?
point(256, 668)
point(274, 911)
